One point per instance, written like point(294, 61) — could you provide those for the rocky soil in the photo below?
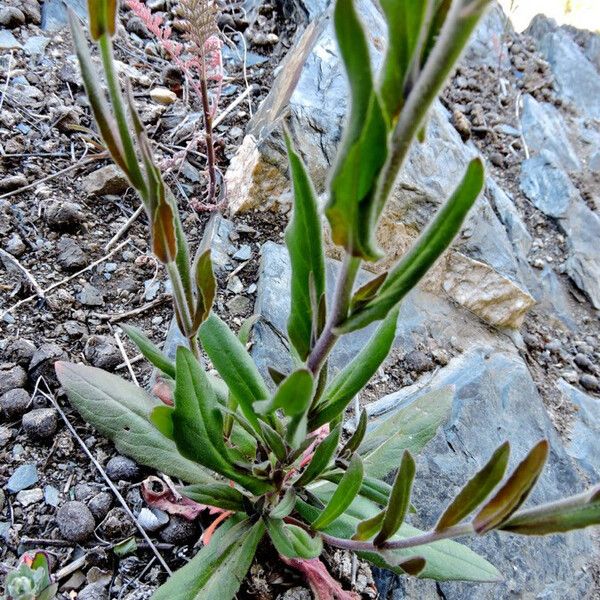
point(510, 316)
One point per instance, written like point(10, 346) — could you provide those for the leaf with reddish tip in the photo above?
point(366, 529)
point(102, 17)
point(413, 566)
point(477, 489)
point(164, 240)
point(514, 492)
point(206, 286)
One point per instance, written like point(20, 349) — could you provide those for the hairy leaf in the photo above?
point(321, 458)
point(274, 441)
point(216, 494)
point(150, 351)
point(294, 393)
point(355, 440)
point(285, 506)
point(366, 529)
point(514, 492)
point(206, 286)
point(292, 541)
point(477, 489)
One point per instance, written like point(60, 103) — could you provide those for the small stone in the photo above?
point(117, 524)
point(418, 361)
point(11, 17)
point(75, 329)
point(19, 351)
point(27, 497)
point(5, 435)
point(14, 403)
point(93, 591)
point(75, 521)
point(497, 160)
point(51, 496)
point(64, 216)
point(84, 491)
point(152, 520)
point(102, 351)
point(100, 504)
point(71, 257)
point(239, 305)
point(244, 253)
point(15, 245)
point(41, 423)
point(179, 531)
point(590, 383)
point(36, 44)
point(163, 96)
point(105, 181)
point(8, 42)
point(42, 363)
point(121, 468)
point(235, 285)
point(24, 477)
point(12, 378)
point(583, 362)
point(570, 376)
point(12, 182)
point(90, 296)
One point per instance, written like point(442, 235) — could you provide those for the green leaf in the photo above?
point(150, 351)
point(367, 292)
point(128, 546)
point(357, 437)
point(292, 541)
point(216, 494)
point(446, 560)
point(363, 151)
point(164, 239)
point(121, 411)
point(162, 418)
point(353, 378)
point(217, 570)
point(274, 441)
point(304, 239)
point(321, 458)
point(477, 489)
point(294, 393)
point(427, 249)
point(571, 513)
point(371, 488)
point(206, 287)
point(285, 506)
point(399, 499)
point(514, 492)
point(344, 494)
point(366, 529)
point(409, 428)
point(405, 20)
point(102, 17)
point(234, 364)
point(198, 422)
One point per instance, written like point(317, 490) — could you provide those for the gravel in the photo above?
point(41, 423)
point(15, 403)
point(121, 468)
point(75, 521)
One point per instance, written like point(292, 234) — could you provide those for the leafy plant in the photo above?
point(31, 579)
point(276, 460)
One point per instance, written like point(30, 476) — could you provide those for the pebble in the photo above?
point(590, 383)
point(100, 504)
point(51, 496)
point(12, 182)
point(71, 257)
point(102, 351)
point(11, 17)
point(93, 591)
point(75, 521)
point(244, 253)
point(163, 96)
point(15, 403)
point(5, 435)
point(90, 296)
point(8, 42)
point(235, 285)
point(152, 520)
point(117, 524)
point(583, 362)
point(121, 468)
point(24, 477)
point(19, 351)
point(570, 376)
point(179, 531)
point(15, 245)
point(239, 305)
point(27, 497)
point(418, 361)
point(105, 181)
point(41, 423)
point(64, 216)
point(42, 363)
point(12, 378)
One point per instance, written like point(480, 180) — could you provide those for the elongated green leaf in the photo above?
point(206, 287)
point(274, 441)
point(371, 488)
point(405, 20)
point(363, 150)
point(121, 411)
point(292, 541)
point(234, 364)
point(285, 506)
point(367, 292)
point(352, 379)
point(514, 492)
point(321, 458)
point(427, 249)
point(366, 529)
point(477, 489)
point(102, 17)
point(162, 418)
point(446, 560)
point(294, 393)
point(198, 423)
point(409, 428)
point(344, 494)
point(304, 239)
point(399, 499)
point(217, 494)
point(150, 351)
point(217, 570)
point(572, 513)
point(357, 437)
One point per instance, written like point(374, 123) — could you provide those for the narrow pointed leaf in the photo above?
point(285, 506)
point(292, 541)
point(321, 458)
point(206, 287)
point(102, 17)
point(572, 513)
point(357, 437)
point(367, 292)
point(274, 441)
point(164, 240)
point(514, 492)
point(426, 250)
point(352, 378)
point(366, 529)
point(344, 494)
point(303, 237)
point(217, 570)
point(217, 494)
point(150, 351)
point(399, 499)
point(294, 393)
point(371, 488)
point(477, 489)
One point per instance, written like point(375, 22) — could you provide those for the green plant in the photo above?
point(277, 460)
point(31, 579)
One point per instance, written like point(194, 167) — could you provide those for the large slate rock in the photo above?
point(55, 14)
point(495, 400)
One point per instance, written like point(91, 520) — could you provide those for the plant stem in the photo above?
point(182, 307)
point(208, 131)
point(339, 311)
point(419, 540)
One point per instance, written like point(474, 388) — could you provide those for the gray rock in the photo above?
point(11, 17)
point(544, 129)
point(28, 497)
point(584, 445)
point(75, 521)
point(496, 400)
point(239, 305)
point(100, 504)
point(24, 477)
point(583, 362)
point(547, 185)
point(102, 351)
point(12, 378)
point(590, 382)
point(19, 351)
point(90, 296)
point(51, 496)
point(121, 468)
point(8, 41)
point(107, 180)
point(418, 362)
point(179, 531)
point(36, 44)
point(42, 363)
point(41, 423)
point(117, 525)
point(244, 253)
point(93, 591)
point(55, 13)
point(71, 257)
point(15, 245)
point(64, 216)
point(487, 45)
point(13, 182)
point(15, 403)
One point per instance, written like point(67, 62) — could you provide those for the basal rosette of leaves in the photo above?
point(277, 461)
